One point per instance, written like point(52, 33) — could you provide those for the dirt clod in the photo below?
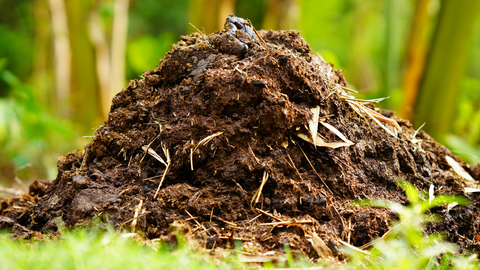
point(216, 128)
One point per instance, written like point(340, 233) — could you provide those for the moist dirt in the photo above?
point(217, 141)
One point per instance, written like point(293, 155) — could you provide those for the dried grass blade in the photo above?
point(418, 129)
point(198, 223)
point(320, 247)
point(321, 143)
point(354, 248)
point(198, 29)
point(337, 132)
point(200, 143)
point(313, 124)
point(368, 112)
point(287, 223)
point(258, 193)
point(206, 140)
point(380, 117)
point(385, 235)
point(169, 161)
point(154, 154)
point(267, 214)
point(191, 159)
point(348, 89)
point(458, 169)
point(450, 206)
point(253, 154)
point(228, 222)
point(375, 100)
point(313, 168)
point(256, 33)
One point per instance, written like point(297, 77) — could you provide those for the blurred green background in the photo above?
point(62, 61)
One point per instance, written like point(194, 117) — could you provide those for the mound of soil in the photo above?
point(219, 140)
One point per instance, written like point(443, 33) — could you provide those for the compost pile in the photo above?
point(249, 136)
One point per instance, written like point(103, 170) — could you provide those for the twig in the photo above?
point(240, 71)
point(267, 214)
point(139, 216)
point(197, 29)
point(169, 161)
point(286, 223)
point(255, 157)
point(354, 247)
point(257, 216)
point(23, 167)
point(256, 33)
point(198, 223)
point(292, 164)
point(258, 193)
point(153, 177)
point(385, 235)
point(339, 216)
point(84, 160)
point(135, 216)
point(227, 222)
point(313, 168)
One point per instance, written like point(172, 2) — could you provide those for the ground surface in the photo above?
point(216, 128)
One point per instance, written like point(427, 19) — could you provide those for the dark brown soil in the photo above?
point(224, 112)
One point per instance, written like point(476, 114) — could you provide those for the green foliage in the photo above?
point(155, 17)
point(464, 137)
point(94, 249)
point(461, 147)
point(407, 247)
point(353, 35)
point(16, 28)
point(145, 51)
point(27, 129)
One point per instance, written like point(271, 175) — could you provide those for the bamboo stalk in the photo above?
point(118, 49)
point(417, 49)
point(102, 57)
point(445, 66)
point(61, 44)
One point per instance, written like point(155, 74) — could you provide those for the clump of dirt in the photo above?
point(246, 135)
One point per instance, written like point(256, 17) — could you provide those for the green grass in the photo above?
point(94, 247)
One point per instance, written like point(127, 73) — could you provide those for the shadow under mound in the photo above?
point(219, 139)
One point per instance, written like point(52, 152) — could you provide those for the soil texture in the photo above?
point(248, 136)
